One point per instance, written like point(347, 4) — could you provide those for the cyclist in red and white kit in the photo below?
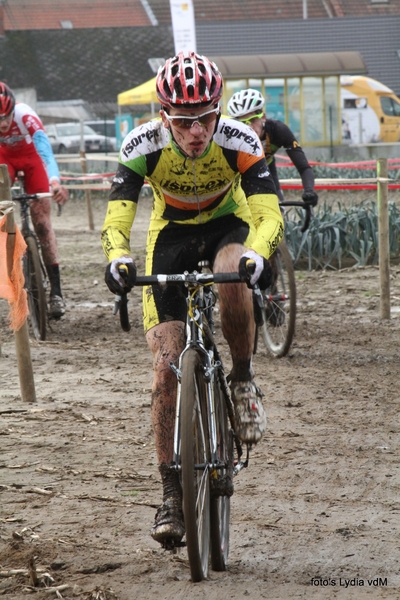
point(24, 146)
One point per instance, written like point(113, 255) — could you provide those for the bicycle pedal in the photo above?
point(172, 545)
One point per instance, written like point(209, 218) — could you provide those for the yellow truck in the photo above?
point(370, 111)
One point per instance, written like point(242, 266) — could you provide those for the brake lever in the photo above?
point(121, 302)
point(258, 295)
point(309, 213)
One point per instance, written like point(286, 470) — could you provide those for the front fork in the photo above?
point(209, 374)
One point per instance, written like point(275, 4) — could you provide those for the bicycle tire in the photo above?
point(220, 502)
point(34, 286)
point(195, 460)
point(280, 315)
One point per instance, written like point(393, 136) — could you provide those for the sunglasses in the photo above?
point(203, 120)
point(8, 117)
point(250, 119)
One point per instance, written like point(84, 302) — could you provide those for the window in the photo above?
point(355, 103)
point(274, 98)
point(386, 104)
point(390, 107)
point(231, 87)
point(294, 110)
point(331, 96)
point(312, 112)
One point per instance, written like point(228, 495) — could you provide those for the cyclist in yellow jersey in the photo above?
point(214, 199)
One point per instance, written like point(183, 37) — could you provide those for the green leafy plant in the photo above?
point(347, 232)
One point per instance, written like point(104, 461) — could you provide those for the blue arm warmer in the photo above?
point(43, 148)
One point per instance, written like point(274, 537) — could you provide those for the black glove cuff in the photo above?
point(266, 277)
point(112, 284)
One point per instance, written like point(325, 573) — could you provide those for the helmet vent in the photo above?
point(202, 87)
point(166, 87)
point(189, 73)
point(178, 88)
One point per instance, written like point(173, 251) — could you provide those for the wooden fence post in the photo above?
point(383, 234)
point(21, 337)
point(88, 194)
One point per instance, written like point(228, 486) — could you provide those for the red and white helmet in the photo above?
point(189, 79)
point(7, 100)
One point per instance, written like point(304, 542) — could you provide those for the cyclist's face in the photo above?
point(5, 123)
point(192, 136)
point(255, 122)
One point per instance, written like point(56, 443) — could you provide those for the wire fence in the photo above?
point(344, 229)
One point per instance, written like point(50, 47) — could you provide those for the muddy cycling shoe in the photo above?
point(251, 420)
point(56, 307)
point(169, 525)
point(221, 486)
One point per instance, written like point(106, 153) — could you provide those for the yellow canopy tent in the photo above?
point(141, 94)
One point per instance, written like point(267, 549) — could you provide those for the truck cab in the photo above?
point(370, 111)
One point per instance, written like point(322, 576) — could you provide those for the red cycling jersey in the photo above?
point(18, 151)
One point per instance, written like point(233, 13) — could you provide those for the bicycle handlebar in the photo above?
point(38, 196)
point(121, 301)
point(201, 278)
point(307, 207)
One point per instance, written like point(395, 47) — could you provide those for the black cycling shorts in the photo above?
point(180, 248)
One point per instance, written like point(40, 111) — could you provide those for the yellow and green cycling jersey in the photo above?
point(230, 178)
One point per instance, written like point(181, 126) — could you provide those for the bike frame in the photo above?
point(34, 269)
point(199, 325)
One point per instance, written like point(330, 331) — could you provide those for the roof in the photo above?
point(286, 65)
point(96, 65)
point(81, 14)
point(362, 34)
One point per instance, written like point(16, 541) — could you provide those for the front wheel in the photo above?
point(221, 484)
point(34, 286)
point(279, 313)
point(195, 461)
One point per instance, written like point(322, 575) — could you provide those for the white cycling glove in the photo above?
point(259, 261)
point(126, 260)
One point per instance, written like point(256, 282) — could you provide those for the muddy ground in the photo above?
point(316, 514)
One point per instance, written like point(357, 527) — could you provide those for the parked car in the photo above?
point(105, 127)
point(65, 138)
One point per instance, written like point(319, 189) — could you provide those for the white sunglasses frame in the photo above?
point(195, 119)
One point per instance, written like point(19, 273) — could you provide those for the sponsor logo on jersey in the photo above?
point(32, 122)
point(10, 141)
point(234, 132)
point(215, 185)
point(134, 142)
point(263, 173)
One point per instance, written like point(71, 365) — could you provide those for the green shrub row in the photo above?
point(349, 232)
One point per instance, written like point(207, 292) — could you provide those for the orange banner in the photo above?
point(12, 288)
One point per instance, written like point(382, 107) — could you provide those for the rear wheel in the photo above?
point(280, 304)
point(195, 464)
point(34, 286)
point(221, 485)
